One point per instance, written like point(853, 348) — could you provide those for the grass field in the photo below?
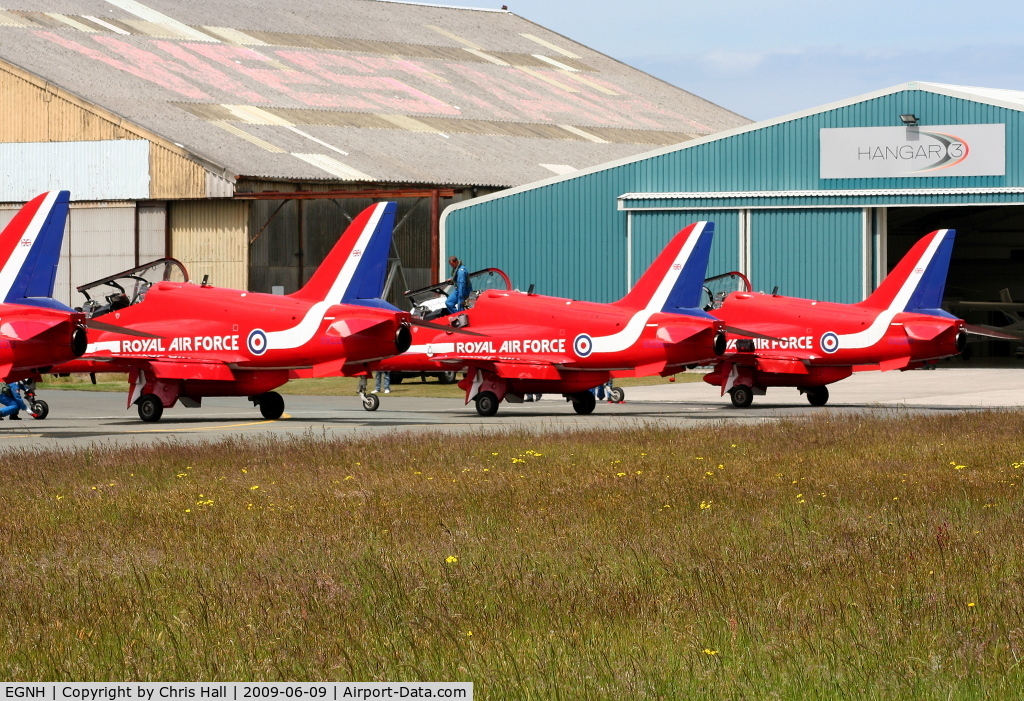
point(829, 558)
point(325, 387)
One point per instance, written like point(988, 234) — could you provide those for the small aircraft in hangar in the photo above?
point(212, 342)
point(900, 326)
point(538, 345)
point(36, 331)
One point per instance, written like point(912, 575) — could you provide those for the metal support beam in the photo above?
point(345, 195)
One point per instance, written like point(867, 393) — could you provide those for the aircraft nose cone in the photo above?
point(403, 338)
point(79, 342)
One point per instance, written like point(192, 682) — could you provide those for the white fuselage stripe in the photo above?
point(874, 333)
point(12, 267)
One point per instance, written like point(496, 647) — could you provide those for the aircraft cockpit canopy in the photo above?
point(717, 288)
point(129, 287)
point(429, 302)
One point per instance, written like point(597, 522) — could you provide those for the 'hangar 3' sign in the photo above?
point(913, 152)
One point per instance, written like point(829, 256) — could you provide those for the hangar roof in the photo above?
point(354, 90)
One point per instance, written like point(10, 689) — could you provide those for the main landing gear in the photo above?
point(271, 404)
point(487, 404)
point(583, 402)
point(817, 396)
point(151, 408)
point(742, 396)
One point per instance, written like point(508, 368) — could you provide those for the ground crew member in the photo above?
point(460, 277)
point(10, 401)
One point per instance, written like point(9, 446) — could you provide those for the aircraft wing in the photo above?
point(548, 368)
point(990, 306)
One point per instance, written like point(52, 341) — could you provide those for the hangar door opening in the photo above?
point(811, 253)
point(988, 256)
point(650, 231)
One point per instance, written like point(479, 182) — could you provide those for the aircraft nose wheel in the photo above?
point(584, 402)
point(39, 409)
point(370, 402)
point(487, 404)
point(150, 408)
point(742, 396)
point(617, 395)
point(817, 396)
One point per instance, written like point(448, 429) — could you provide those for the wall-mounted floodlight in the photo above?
point(909, 120)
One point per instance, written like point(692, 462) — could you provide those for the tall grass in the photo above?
point(836, 557)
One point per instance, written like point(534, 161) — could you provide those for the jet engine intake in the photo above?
point(403, 338)
point(961, 341)
point(720, 343)
point(79, 341)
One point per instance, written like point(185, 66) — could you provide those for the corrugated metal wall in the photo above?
point(652, 230)
point(815, 254)
point(211, 238)
point(36, 111)
point(556, 234)
point(286, 227)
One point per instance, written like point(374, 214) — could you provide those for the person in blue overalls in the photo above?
point(460, 277)
point(10, 401)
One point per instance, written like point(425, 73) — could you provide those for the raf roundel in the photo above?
point(829, 342)
point(583, 345)
point(257, 342)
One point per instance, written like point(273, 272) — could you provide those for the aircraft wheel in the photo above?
point(150, 408)
point(271, 405)
point(817, 396)
point(742, 396)
point(584, 402)
point(448, 378)
point(487, 404)
point(617, 395)
point(39, 409)
point(396, 377)
point(370, 402)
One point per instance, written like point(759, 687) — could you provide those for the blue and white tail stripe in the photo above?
point(29, 273)
point(676, 292)
point(920, 293)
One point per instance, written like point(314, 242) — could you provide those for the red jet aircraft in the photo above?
point(534, 344)
point(900, 326)
point(210, 342)
point(36, 331)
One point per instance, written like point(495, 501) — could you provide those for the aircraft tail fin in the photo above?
point(30, 250)
point(917, 282)
point(354, 271)
point(675, 280)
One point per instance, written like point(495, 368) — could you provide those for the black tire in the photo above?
point(396, 377)
point(370, 402)
point(448, 378)
point(150, 408)
point(617, 395)
point(584, 402)
point(39, 409)
point(487, 404)
point(271, 405)
point(742, 396)
point(817, 396)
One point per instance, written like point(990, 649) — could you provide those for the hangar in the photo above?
point(241, 137)
point(820, 203)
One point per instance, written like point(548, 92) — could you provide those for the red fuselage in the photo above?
point(539, 344)
point(223, 342)
point(822, 342)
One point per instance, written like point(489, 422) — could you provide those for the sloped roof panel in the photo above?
point(249, 85)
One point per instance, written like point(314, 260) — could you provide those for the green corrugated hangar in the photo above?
point(821, 203)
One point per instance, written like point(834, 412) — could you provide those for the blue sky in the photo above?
point(767, 59)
